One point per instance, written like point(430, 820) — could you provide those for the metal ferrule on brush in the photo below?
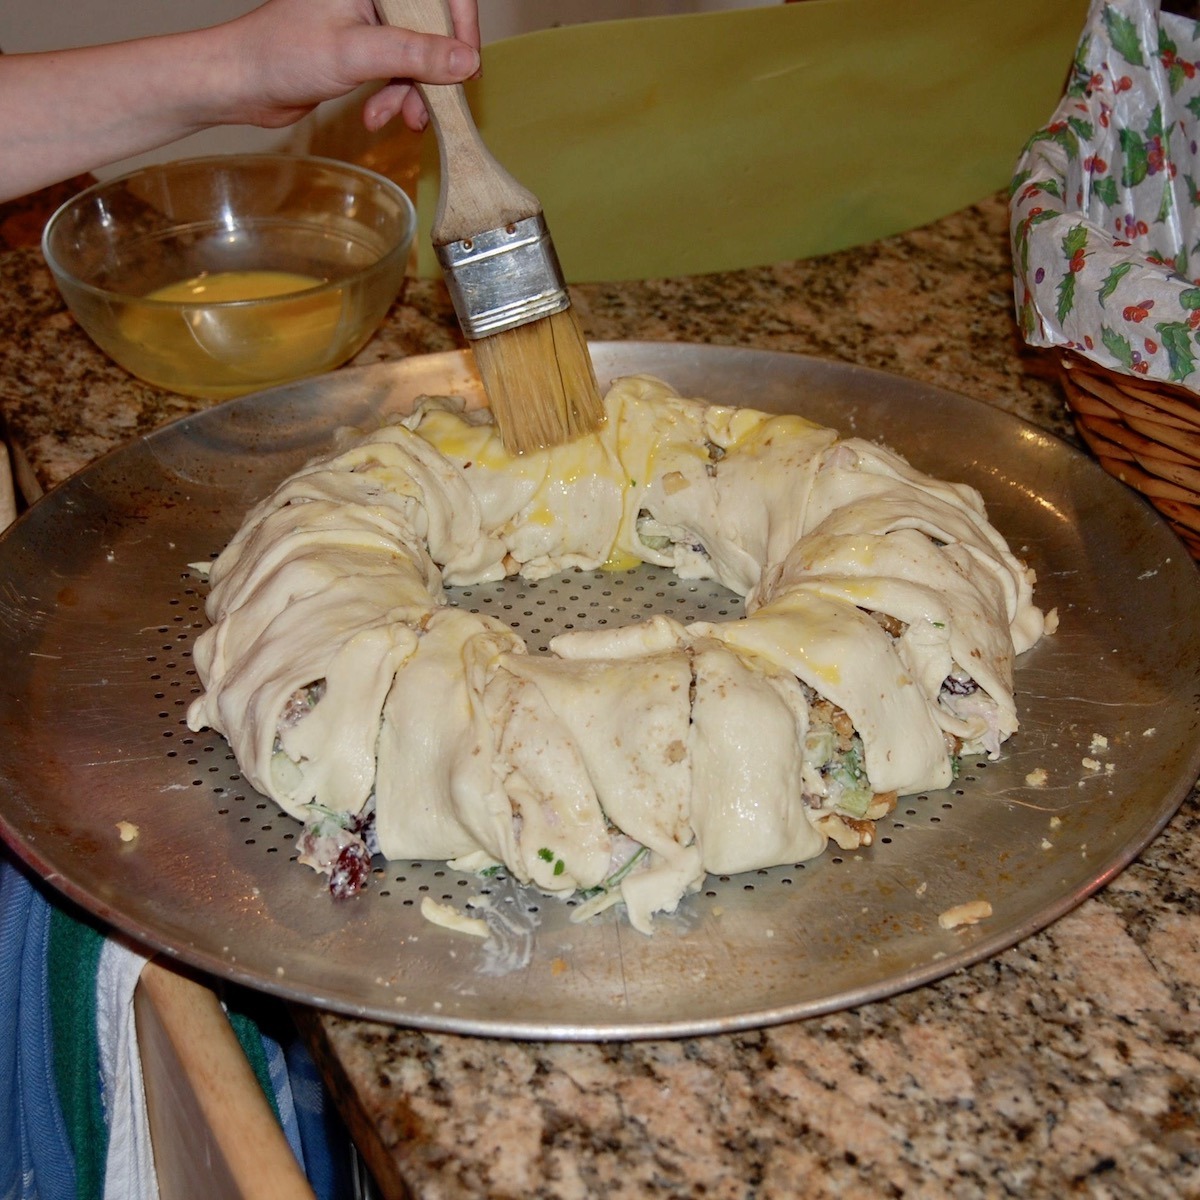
point(504, 277)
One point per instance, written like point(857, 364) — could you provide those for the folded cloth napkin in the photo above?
point(73, 1120)
point(35, 1150)
point(129, 1167)
point(66, 1003)
point(1105, 212)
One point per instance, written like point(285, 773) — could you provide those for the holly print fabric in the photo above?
point(1105, 208)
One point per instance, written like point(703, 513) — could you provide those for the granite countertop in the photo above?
point(1069, 1064)
point(934, 304)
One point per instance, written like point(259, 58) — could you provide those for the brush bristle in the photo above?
point(540, 382)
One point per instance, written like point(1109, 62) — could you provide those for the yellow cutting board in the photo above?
point(682, 145)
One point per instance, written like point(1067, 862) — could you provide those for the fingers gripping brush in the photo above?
point(502, 272)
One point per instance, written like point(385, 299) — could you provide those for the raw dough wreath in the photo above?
point(883, 614)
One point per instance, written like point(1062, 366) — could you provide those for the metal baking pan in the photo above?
point(98, 612)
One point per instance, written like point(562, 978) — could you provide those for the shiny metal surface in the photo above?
point(504, 277)
point(98, 611)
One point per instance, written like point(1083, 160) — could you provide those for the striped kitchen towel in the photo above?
point(73, 1123)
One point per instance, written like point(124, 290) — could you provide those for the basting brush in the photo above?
point(503, 273)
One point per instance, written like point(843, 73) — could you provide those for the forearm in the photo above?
point(68, 112)
point(65, 113)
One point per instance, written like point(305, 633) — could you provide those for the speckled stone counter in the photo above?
point(934, 304)
point(1068, 1065)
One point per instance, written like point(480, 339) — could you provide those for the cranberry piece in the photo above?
point(351, 870)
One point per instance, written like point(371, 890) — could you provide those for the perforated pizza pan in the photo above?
point(99, 610)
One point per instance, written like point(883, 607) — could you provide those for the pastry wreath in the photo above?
point(882, 616)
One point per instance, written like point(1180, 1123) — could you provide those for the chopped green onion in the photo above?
point(619, 874)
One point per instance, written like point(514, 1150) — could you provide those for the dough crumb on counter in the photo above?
point(1037, 778)
point(127, 831)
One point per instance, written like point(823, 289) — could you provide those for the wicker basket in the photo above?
point(1144, 433)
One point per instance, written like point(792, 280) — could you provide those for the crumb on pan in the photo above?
point(970, 913)
point(450, 918)
point(127, 831)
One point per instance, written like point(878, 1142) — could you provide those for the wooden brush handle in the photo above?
point(477, 193)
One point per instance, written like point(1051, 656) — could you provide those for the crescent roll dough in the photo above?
point(882, 616)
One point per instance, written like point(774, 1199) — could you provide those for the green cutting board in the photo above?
point(682, 145)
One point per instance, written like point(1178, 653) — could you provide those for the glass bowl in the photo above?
point(225, 275)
